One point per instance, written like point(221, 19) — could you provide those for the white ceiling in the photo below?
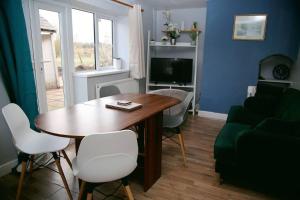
point(174, 4)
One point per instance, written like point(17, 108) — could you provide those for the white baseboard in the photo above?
point(6, 167)
point(212, 115)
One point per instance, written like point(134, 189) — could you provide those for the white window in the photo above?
point(105, 45)
point(90, 54)
point(83, 40)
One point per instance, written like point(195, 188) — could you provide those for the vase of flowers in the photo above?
point(173, 32)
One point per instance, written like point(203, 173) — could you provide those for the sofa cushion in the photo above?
point(289, 107)
point(238, 114)
point(280, 127)
point(224, 148)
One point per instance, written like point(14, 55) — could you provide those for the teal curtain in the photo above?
point(15, 60)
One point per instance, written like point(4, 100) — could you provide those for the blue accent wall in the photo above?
point(230, 66)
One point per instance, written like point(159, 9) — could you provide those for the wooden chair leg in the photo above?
point(127, 188)
point(182, 135)
point(21, 180)
point(31, 164)
point(82, 186)
point(57, 162)
point(181, 141)
point(67, 158)
point(89, 196)
point(128, 192)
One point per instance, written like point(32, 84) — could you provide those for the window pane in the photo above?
point(105, 42)
point(83, 39)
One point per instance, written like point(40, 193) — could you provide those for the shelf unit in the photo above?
point(184, 31)
point(192, 87)
point(167, 44)
point(277, 81)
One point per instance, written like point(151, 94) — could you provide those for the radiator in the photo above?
point(128, 85)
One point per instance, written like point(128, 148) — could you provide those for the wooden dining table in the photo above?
point(93, 117)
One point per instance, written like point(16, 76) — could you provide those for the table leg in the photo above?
point(141, 137)
point(153, 149)
point(77, 144)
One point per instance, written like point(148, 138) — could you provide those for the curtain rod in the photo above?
point(124, 4)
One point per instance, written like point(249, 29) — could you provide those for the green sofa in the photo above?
point(261, 140)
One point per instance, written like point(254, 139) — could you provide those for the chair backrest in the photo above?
point(16, 120)
point(105, 144)
point(109, 90)
point(183, 96)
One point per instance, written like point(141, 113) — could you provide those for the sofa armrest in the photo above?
point(235, 113)
point(238, 114)
point(263, 105)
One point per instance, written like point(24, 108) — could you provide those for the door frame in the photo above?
point(36, 40)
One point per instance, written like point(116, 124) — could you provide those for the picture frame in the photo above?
point(250, 27)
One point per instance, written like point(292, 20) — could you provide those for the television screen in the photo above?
point(171, 70)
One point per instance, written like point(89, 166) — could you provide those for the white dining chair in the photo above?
point(106, 157)
point(30, 143)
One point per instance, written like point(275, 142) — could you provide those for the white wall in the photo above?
point(122, 42)
point(296, 73)
point(188, 15)
point(7, 150)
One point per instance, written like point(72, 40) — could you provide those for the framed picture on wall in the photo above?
point(249, 27)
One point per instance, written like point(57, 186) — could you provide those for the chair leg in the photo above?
point(89, 196)
point(128, 192)
point(182, 135)
point(31, 164)
point(181, 141)
point(67, 158)
point(21, 180)
point(82, 186)
point(57, 161)
point(127, 189)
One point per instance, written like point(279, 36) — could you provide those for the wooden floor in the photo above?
point(195, 182)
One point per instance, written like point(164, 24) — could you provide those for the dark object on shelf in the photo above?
point(260, 142)
point(281, 72)
point(171, 70)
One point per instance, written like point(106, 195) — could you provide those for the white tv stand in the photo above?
point(189, 87)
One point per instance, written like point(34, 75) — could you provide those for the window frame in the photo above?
point(98, 16)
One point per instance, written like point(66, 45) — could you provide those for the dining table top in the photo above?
point(93, 116)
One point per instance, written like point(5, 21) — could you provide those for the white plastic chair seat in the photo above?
point(36, 143)
point(106, 157)
point(30, 142)
point(105, 168)
point(27, 140)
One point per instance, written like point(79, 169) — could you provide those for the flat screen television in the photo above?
point(171, 70)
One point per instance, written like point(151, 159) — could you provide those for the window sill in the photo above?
point(96, 73)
